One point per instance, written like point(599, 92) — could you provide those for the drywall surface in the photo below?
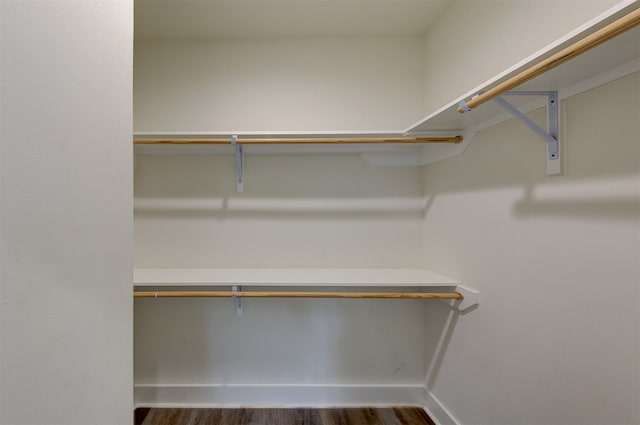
point(474, 40)
point(282, 19)
point(555, 339)
point(324, 84)
point(66, 224)
point(301, 211)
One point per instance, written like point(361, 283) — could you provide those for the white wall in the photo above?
point(474, 40)
point(66, 225)
point(296, 211)
point(556, 337)
point(323, 84)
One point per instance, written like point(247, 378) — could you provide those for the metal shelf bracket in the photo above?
point(550, 136)
point(239, 163)
point(237, 300)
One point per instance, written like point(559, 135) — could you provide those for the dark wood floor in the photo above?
point(336, 416)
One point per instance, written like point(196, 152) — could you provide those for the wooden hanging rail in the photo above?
point(291, 140)
point(276, 294)
point(589, 42)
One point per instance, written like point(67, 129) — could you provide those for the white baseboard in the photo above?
point(437, 411)
point(154, 395)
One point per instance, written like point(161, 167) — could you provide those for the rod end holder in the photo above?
point(469, 299)
point(463, 107)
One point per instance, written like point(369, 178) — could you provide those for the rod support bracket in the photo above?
point(237, 300)
point(239, 163)
point(550, 135)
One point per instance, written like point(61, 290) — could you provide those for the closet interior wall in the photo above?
point(497, 222)
point(278, 85)
point(556, 338)
point(66, 349)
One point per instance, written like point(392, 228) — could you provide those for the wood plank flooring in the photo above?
point(300, 416)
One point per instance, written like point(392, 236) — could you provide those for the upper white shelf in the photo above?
point(615, 58)
point(290, 277)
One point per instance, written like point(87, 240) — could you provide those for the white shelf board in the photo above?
point(614, 53)
point(290, 277)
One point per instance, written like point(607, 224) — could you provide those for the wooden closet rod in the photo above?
point(292, 141)
point(606, 33)
point(269, 294)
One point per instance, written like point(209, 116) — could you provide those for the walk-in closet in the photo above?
point(320, 212)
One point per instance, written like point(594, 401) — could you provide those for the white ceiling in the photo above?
point(207, 19)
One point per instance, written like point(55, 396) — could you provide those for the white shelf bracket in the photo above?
point(550, 136)
point(238, 300)
point(239, 163)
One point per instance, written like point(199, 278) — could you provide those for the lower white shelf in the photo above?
point(400, 278)
point(290, 277)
